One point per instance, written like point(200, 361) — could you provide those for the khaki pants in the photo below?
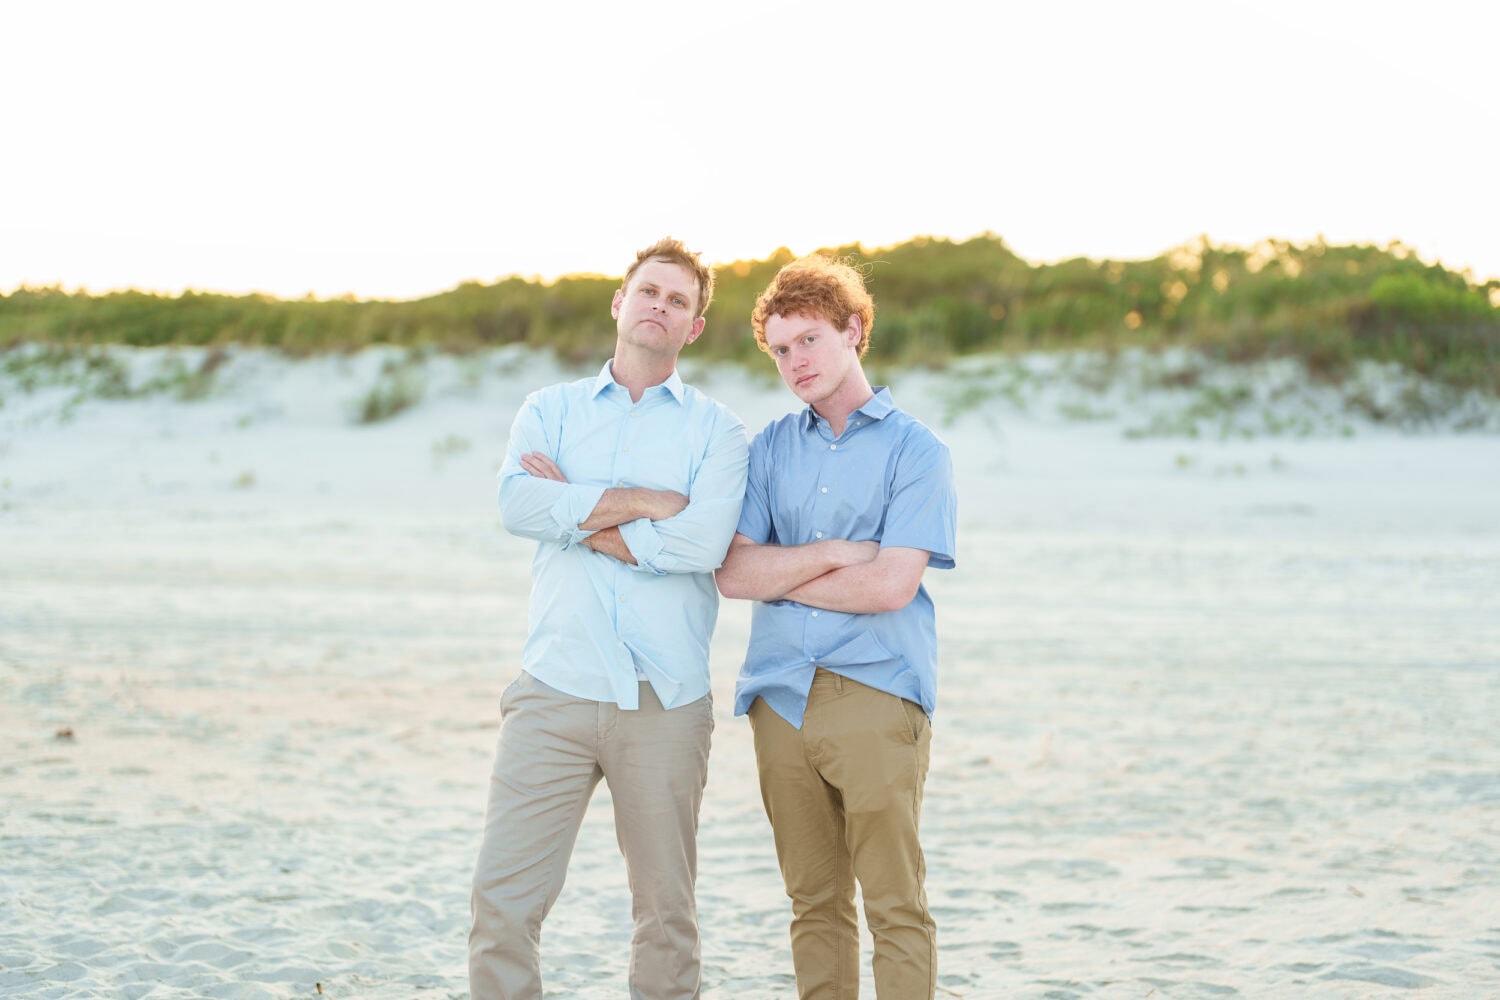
point(553, 750)
point(844, 796)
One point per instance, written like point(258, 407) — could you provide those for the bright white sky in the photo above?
point(395, 149)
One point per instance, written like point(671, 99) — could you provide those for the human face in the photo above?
point(657, 311)
point(817, 360)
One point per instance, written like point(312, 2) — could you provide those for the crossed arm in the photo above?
point(615, 507)
point(834, 574)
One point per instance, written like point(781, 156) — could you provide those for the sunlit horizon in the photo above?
point(403, 288)
point(340, 150)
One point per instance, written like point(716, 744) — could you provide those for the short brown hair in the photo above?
point(822, 287)
point(673, 251)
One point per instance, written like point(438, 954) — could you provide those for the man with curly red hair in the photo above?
point(849, 500)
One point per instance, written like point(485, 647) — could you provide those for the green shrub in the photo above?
point(935, 299)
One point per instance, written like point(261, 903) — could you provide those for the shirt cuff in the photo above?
point(644, 542)
point(573, 507)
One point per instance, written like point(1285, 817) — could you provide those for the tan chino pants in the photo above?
point(844, 796)
point(553, 750)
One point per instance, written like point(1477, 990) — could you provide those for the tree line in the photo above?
point(1330, 305)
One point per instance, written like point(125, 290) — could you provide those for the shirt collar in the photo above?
point(606, 378)
point(877, 407)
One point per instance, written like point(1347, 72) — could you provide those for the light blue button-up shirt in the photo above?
point(887, 478)
point(598, 625)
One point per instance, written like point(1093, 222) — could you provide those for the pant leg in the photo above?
point(545, 772)
point(807, 822)
point(874, 748)
point(656, 764)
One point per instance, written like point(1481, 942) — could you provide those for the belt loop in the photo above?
point(838, 682)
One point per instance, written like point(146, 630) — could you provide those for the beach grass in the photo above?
point(1329, 306)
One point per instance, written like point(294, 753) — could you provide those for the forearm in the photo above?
point(695, 538)
point(887, 583)
point(772, 572)
point(609, 542)
point(849, 590)
point(694, 541)
point(621, 504)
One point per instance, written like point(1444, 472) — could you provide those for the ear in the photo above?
point(614, 305)
point(697, 330)
point(853, 330)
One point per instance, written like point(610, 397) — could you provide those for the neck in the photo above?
point(638, 372)
point(856, 392)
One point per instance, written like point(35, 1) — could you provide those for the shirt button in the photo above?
point(833, 447)
point(817, 534)
point(823, 490)
point(815, 614)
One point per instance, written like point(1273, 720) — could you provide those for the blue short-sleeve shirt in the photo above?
point(888, 479)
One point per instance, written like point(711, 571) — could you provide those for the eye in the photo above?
point(678, 300)
point(780, 352)
point(648, 291)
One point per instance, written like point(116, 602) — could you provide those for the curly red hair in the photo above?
point(822, 287)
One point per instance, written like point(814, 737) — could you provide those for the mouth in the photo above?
point(804, 381)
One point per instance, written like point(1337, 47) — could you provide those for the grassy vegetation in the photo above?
point(1330, 306)
point(95, 373)
point(401, 386)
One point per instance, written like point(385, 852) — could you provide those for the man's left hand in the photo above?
point(539, 465)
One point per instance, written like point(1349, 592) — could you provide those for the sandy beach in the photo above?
point(1218, 693)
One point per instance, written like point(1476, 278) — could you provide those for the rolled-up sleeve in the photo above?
point(541, 509)
point(695, 540)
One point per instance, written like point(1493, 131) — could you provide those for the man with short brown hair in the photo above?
point(630, 482)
